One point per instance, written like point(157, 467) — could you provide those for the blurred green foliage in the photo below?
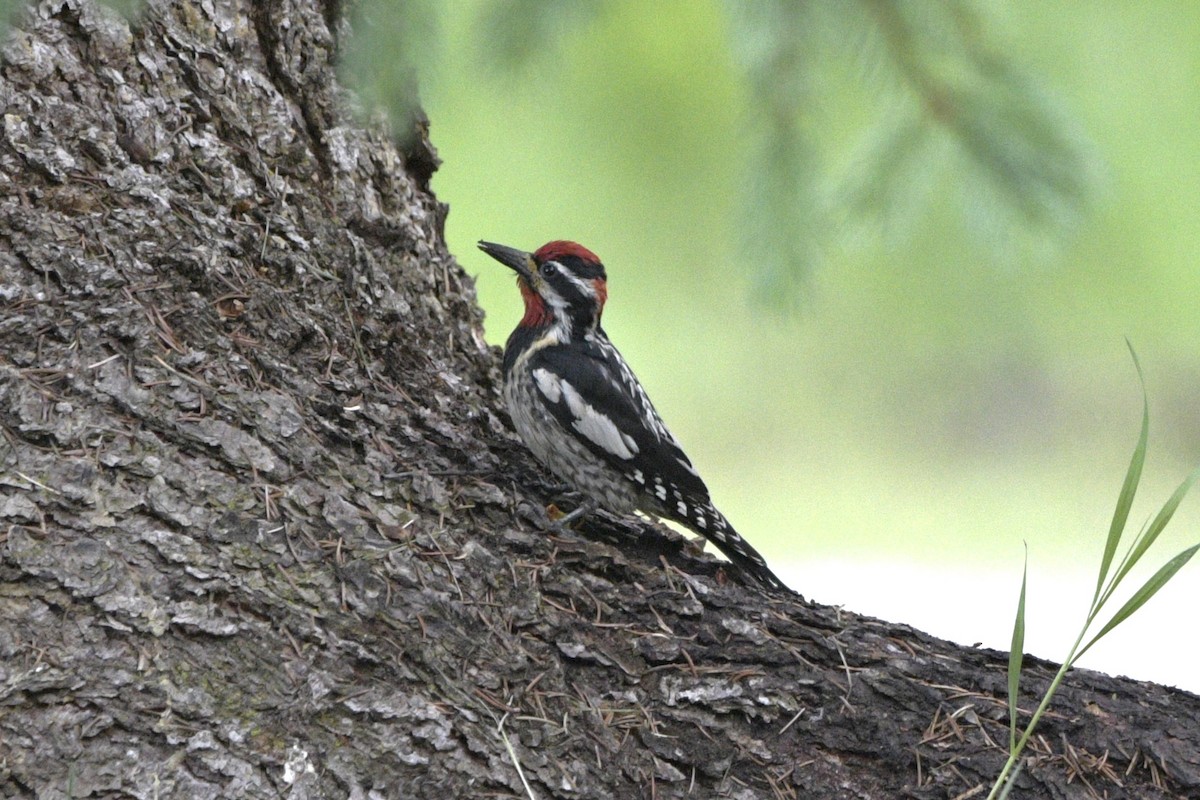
point(933, 100)
point(955, 379)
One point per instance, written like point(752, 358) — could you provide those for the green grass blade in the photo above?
point(1143, 542)
point(1011, 782)
point(1129, 488)
point(1148, 590)
point(1016, 653)
point(1121, 568)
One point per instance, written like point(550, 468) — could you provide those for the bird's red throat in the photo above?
point(537, 313)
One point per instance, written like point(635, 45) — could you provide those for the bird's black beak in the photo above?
point(517, 260)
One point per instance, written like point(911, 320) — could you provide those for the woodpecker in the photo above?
point(584, 415)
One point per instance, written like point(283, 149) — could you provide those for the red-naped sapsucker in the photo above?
point(582, 411)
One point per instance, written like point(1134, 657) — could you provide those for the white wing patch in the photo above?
point(589, 422)
point(548, 384)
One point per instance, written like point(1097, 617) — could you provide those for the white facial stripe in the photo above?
point(585, 286)
point(597, 427)
point(553, 298)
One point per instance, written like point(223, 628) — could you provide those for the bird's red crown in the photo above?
point(560, 248)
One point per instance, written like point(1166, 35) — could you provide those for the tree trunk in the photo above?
point(266, 531)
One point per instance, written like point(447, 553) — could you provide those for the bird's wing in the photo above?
point(594, 396)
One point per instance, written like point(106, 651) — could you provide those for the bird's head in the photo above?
point(561, 282)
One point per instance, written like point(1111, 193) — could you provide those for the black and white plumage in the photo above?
point(583, 413)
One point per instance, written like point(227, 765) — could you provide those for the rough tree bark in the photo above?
point(265, 532)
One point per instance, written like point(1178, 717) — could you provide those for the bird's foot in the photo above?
point(551, 517)
point(561, 523)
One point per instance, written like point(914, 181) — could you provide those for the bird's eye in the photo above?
point(548, 269)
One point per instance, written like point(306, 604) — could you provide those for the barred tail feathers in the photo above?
point(710, 523)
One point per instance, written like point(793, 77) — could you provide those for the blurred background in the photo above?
point(876, 264)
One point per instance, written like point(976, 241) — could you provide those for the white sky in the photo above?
point(1158, 643)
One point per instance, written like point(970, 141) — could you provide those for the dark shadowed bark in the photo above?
point(265, 531)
